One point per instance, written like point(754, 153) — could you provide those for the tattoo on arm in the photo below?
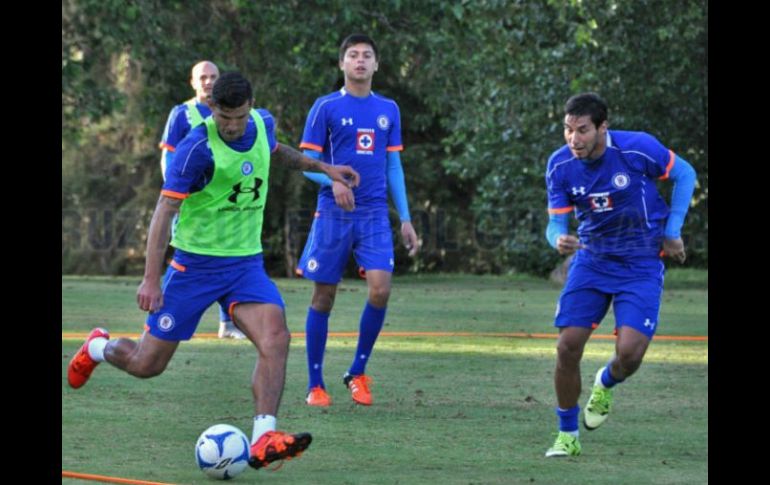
point(293, 159)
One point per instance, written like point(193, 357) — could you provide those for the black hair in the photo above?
point(354, 39)
point(231, 90)
point(584, 104)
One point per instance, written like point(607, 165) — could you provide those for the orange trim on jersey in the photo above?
point(178, 266)
point(174, 195)
point(670, 165)
point(168, 147)
point(561, 210)
point(396, 148)
point(311, 146)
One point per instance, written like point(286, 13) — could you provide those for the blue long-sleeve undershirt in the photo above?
point(396, 183)
point(683, 176)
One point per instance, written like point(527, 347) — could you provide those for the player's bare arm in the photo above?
point(149, 296)
point(293, 159)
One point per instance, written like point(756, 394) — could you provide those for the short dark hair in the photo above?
point(354, 39)
point(584, 104)
point(231, 90)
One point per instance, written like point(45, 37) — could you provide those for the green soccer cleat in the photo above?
point(565, 445)
point(598, 408)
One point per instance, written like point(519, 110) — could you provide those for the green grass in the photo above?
point(447, 410)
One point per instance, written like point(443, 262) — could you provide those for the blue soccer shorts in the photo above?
point(634, 289)
point(335, 233)
point(188, 293)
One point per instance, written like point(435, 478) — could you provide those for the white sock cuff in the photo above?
point(96, 348)
point(262, 424)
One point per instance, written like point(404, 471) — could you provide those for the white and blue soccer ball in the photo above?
point(222, 451)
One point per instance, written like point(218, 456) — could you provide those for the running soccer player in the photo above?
point(607, 178)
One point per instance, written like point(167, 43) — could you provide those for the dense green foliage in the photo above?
point(480, 84)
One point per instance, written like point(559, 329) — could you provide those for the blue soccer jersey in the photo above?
point(178, 124)
point(358, 132)
point(615, 199)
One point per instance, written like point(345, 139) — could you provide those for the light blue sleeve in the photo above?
point(558, 224)
point(397, 186)
point(317, 177)
point(683, 176)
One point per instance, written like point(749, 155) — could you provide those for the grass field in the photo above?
point(450, 410)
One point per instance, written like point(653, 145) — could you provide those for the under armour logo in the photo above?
point(579, 190)
point(237, 190)
point(347, 121)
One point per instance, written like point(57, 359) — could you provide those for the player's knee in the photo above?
point(275, 340)
point(568, 353)
point(323, 300)
point(379, 295)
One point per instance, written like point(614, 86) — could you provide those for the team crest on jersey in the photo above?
point(365, 141)
point(247, 168)
point(620, 180)
point(601, 202)
point(312, 265)
point(383, 122)
point(166, 322)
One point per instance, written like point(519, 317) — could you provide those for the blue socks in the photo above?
point(568, 419)
point(607, 380)
point(316, 330)
point(371, 323)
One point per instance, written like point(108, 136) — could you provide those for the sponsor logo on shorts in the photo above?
point(166, 322)
point(312, 265)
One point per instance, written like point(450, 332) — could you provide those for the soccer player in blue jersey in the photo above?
point(217, 183)
point(607, 178)
point(183, 118)
point(357, 127)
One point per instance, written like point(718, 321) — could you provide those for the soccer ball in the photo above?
point(222, 451)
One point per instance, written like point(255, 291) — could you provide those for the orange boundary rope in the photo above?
point(102, 478)
point(688, 338)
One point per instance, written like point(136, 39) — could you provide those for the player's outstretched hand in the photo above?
point(343, 174)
